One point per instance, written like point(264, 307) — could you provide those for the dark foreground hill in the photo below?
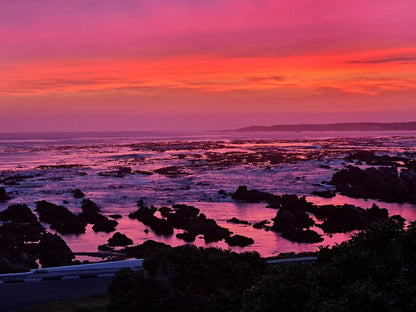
point(353, 126)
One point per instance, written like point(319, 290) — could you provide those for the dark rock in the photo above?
point(72, 225)
point(185, 218)
point(237, 221)
point(260, 225)
point(53, 251)
point(119, 239)
point(171, 171)
point(325, 166)
point(291, 202)
point(78, 193)
point(375, 213)
point(103, 224)
point(15, 256)
point(16, 179)
point(222, 192)
point(251, 196)
point(348, 218)
point(146, 216)
point(123, 171)
point(115, 216)
point(211, 230)
point(165, 211)
point(144, 250)
point(365, 156)
point(186, 211)
point(325, 194)
point(239, 240)
point(383, 183)
point(3, 195)
point(410, 164)
point(18, 213)
point(291, 219)
point(186, 236)
point(60, 218)
point(90, 211)
point(146, 173)
point(50, 213)
point(119, 173)
point(23, 232)
point(104, 247)
point(370, 158)
point(302, 236)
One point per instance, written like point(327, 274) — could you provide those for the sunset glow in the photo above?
point(148, 65)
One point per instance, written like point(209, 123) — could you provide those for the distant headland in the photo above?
point(352, 126)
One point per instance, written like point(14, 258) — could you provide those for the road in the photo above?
point(38, 286)
point(19, 295)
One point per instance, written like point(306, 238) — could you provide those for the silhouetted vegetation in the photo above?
point(374, 271)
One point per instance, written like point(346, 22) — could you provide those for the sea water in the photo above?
point(49, 166)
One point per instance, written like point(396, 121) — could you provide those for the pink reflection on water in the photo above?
point(406, 210)
point(267, 243)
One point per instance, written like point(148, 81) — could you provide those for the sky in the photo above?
point(93, 65)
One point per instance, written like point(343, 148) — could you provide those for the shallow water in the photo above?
point(52, 165)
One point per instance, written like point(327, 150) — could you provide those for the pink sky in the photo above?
point(193, 64)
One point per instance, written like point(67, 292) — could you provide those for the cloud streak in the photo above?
point(401, 60)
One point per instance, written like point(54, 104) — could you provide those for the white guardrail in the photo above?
point(101, 269)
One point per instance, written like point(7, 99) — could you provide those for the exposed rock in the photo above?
point(325, 194)
point(119, 173)
point(90, 211)
point(146, 216)
point(370, 158)
point(171, 171)
point(24, 232)
point(237, 221)
point(165, 211)
point(143, 172)
point(115, 216)
point(186, 211)
point(144, 250)
point(18, 213)
point(291, 219)
point(16, 179)
point(78, 193)
point(302, 236)
point(3, 195)
point(291, 202)
point(53, 251)
point(15, 256)
point(239, 240)
point(123, 171)
point(62, 166)
point(186, 236)
point(348, 217)
point(251, 196)
point(186, 218)
point(104, 247)
point(365, 156)
point(103, 224)
point(382, 183)
point(119, 239)
point(260, 225)
point(60, 218)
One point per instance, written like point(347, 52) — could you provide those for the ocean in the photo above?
point(117, 169)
